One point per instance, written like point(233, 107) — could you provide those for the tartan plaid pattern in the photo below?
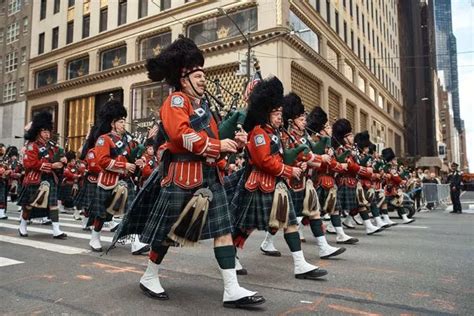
point(251, 210)
point(3, 194)
point(65, 193)
point(231, 183)
point(136, 218)
point(98, 209)
point(29, 191)
point(347, 197)
point(298, 198)
point(85, 195)
point(322, 196)
point(172, 200)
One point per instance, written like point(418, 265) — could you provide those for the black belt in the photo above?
point(186, 157)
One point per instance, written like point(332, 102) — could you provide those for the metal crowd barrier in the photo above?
point(436, 193)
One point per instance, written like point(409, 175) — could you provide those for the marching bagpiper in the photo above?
point(262, 200)
point(69, 184)
point(42, 159)
point(115, 189)
point(324, 177)
point(191, 204)
point(150, 162)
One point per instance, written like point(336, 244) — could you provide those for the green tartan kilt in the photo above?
point(298, 199)
point(251, 210)
point(173, 199)
point(28, 193)
point(231, 183)
point(98, 207)
point(322, 196)
point(3, 193)
point(86, 195)
point(347, 197)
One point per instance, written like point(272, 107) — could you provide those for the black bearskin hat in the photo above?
point(149, 142)
point(388, 154)
point(372, 148)
point(340, 129)
point(265, 97)
point(292, 107)
point(89, 143)
point(362, 140)
point(317, 118)
point(11, 151)
point(111, 111)
point(41, 121)
point(179, 59)
point(70, 155)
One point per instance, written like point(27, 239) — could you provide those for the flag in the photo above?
point(256, 78)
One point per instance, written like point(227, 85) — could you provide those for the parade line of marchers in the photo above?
point(202, 176)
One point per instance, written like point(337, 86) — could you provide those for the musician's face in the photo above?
point(45, 135)
point(194, 84)
point(149, 150)
point(349, 138)
point(276, 117)
point(327, 130)
point(300, 122)
point(119, 126)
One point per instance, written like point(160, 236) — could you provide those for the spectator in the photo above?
point(429, 179)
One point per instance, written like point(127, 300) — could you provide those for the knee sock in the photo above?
point(293, 241)
point(239, 237)
point(384, 211)
point(157, 254)
point(364, 215)
point(54, 215)
point(225, 256)
point(316, 227)
point(336, 220)
point(375, 210)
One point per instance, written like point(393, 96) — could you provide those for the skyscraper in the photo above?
point(446, 53)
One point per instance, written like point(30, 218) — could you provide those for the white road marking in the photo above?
point(8, 262)
point(67, 250)
point(411, 226)
point(306, 302)
point(105, 229)
point(49, 232)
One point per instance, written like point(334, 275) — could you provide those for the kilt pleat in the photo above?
point(347, 197)
point(86, 195)
point(3, 193)
point(251, 210)
point(322, 196)
point(298, 199)
point(172, 200)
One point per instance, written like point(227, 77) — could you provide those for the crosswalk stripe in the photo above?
point(67, 250)
point(62, 224)
point(48, 231)
point(411, 226)
point(8, 262)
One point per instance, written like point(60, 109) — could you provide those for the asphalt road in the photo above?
point(425, 268)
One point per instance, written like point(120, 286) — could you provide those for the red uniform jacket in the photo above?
point(71, 174)
point(200, 141)
point(150, 164)
point(349, 177)
point(266, 158)
point(93, 168)
point(38, 160)
point(112, 151)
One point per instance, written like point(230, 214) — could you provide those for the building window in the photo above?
point(348, 72)
point(336, 18)
point(332, 57)
point(113, 58)
point(11, 62)
point(122, 12)
point(372, 93)
point(317, 6)
point(345, 32)
point(352, 40)
point(357, 14)
point(142, 8)
point(165, 5)
point(57, 6)
point(25, 25)
point(380, 101)
point(41, 44)
point(43, 10)
point(13, 31)
point(86, 21)
point(9, 91)
point(70, 32)
point(350, 7)
point(152, 46)
point(363, 23)
point(55, 39)
point(308, 36)
point(147, 100)
point(220, 27)
point(23, 55)
point(361, 84)
point(1, 35)
point(328, 12)
point(103, 19)
point(22, 86)
point(78, 67)
point(13, 6)
point(70, 3)
point(46, 77)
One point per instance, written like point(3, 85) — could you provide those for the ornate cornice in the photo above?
point(88, 79)
point(238, 7)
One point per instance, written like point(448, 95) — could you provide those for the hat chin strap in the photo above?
point(192, 86)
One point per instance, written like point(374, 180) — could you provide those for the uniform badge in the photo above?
point(42, 149)
point(275, 139)
point(150, 163)
point(177, 101)
point(119, 144)
point(303, 140)
point(30, 147)
point(259, 140)
point(100, 141)
point(73, 170)
point(200, 112)
point(91, 155)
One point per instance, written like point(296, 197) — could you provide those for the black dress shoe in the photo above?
point(335, 253)
point(350, 241)
point(62, 236)
point(241, 272)
point(163, 296)
point(22, 235)
point(245, 302)
point(376, 231)
point(312, 275)
point(275, 253)
point(5, 217)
